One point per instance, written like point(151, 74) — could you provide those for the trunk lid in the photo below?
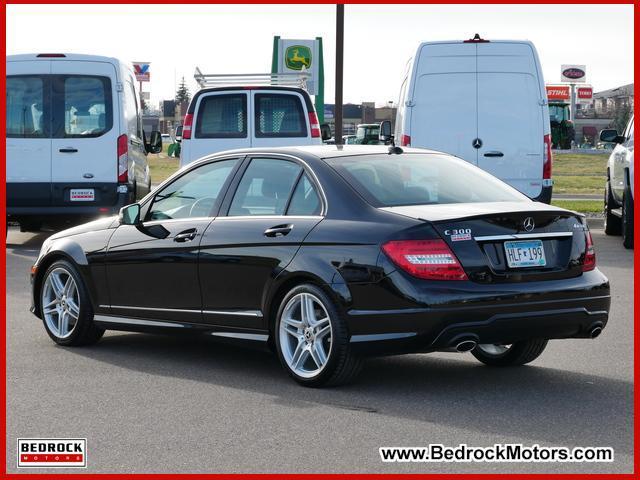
point(488, 238)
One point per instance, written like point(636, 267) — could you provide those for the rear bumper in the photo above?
point(570, 308)
point(545, 195)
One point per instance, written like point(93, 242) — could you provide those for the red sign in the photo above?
point(558, 92)
point(585, 93)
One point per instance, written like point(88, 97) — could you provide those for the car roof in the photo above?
point(329, 151)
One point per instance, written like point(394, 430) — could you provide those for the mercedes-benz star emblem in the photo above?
point(529, 224)
point(477, 143)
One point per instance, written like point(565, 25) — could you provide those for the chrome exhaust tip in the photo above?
point(595, 332)
point(466, 346)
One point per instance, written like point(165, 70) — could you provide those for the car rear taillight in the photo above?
point(405, 140)
point(315, 125)
point(123, 159)
point(589, 254)
point(186, 126)
point(427, 259)
point(547, 158)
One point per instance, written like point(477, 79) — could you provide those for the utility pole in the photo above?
point(339, 72)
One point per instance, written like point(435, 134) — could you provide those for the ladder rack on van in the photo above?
point(252, 79)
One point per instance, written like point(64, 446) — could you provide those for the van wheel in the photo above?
point(517, 353)
point(627, 219)
point(312, 340)
point(612, 224)
point(65, 307)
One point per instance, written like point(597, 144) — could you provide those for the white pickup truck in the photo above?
point(619, 194)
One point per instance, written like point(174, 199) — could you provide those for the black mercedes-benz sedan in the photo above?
point(328, 254)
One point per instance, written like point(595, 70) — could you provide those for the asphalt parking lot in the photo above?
point(160, 404)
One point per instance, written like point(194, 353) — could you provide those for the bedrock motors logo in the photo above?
point(52, 452)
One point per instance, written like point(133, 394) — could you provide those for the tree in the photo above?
point(621, 116)
point(183, 95)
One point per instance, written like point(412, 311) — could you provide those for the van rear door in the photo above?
point(280, 119)
point(443, 112)
point(510, 115)
point(85, 133)
point(221, 122)
point(28, 134)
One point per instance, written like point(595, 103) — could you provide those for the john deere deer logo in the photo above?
point(298, 56)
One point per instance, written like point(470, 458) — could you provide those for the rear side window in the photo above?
point(265, 187)
point(26, 107)
point(408, 179)
point(222, 116)
point(87, 106)
point(305, 199)
point(279, 115)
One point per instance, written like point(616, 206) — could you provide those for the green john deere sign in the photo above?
point(298, 56)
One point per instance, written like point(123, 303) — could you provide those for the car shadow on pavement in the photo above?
point(542, 404)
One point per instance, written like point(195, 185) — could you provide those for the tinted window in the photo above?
point(305, 199)
point(131, 113)
point(87, 106)
point(265, 187)
point(25, 107)
point(222, 116)
point(279, 115)
point(192, 195)
point(411, 179)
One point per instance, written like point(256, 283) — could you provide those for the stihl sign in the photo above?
point(558, 92)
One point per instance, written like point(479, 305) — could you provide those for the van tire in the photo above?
point(627, 219)
point(519, 353)
point(612, 224)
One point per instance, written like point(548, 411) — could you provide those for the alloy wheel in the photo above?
point(60, 303)
point(305, 335)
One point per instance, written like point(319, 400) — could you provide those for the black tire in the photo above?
point(612, 224)
point(342, 365)
point(85, 331)
point(518, 354)
point(627, 219)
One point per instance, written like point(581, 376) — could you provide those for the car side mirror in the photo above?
point(610, 135)
point(130, 214)
point(178, 134)
point(325, 129)
point(155, 143)
point(385, 135)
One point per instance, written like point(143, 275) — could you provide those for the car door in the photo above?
point(28, 134)
point(274, 206)
point(621, 154)
point(152, 268)
point(85, 137)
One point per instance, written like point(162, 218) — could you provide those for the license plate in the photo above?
point(82, 195)
point(525, 254)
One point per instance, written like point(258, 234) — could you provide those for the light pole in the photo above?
point(339, 72)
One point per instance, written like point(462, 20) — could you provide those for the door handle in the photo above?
point(68, 150)
point(186, 236)
point(494, 153)
point(278, 231)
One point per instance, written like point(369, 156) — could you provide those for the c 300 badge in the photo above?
point(458, 234)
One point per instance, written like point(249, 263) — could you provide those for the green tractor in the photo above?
point(562, 129)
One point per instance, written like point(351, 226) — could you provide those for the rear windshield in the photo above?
point(421, 179)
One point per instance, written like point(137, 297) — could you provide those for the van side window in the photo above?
point(131, 111)
point(25, 107)
point(87, 106)
point(222, 116)
point(265, 187)
point(279, 115)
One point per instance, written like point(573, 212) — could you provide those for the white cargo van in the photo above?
point(246, 115)
point(75, 148)
point(485, 102)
